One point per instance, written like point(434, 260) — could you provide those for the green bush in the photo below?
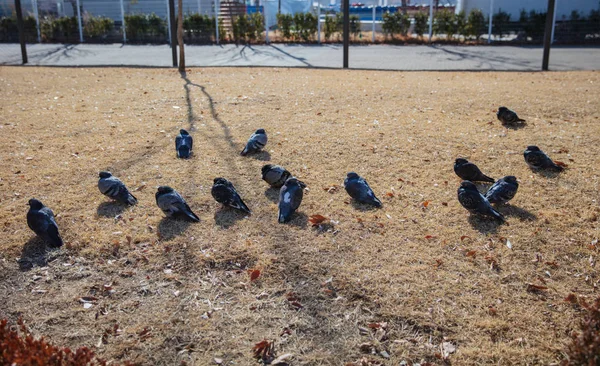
point(445, 23)
point(199, 25)
point(95, 27)
point(331, 26)
point(421, 20)
point(305, 25)
point(136, 26)
point(395, 23)
point(60, 30)
point(354, 25)
point(248, 27)
point(475, 24)
point(533, 24)
point(10, 33)
point(500, 23)
point(284, 23)
point(157, 26)
point(461, 23)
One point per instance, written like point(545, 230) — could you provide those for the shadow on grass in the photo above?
point(272, 194)
point(363, 206)
point(110, 209)
point(299, 219)
point(521, 213)
point(484, 225)
point(226, 217)
point(34, 253)
point(169, 228)
point(546, 173)
point(261, 155)
point(516, 126)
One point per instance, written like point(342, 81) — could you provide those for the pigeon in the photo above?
point(275, 175)
point(470, 198)
point(359, 189)
point(40, 219)
point(290, 197)
point(113, 187)
point(503, 190)
point(224, 192)
point(256, 142)
point(508, 117)
point(469, 171)
point(184, 144)
point(537, 159)
point(173, 205)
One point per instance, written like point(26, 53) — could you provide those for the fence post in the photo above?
point(346, 31)
point(548, 34)
point(217, 21)
point(199, 7)
point(554, 20)
point(266, 22)
point(172, 31)
point(319, 22)
point(37, 20)
point(169, 23)
point(430, 19)
point(79, 22)
point(21, 30)
point(490, 24)
point(123, 22)
point(373, 31)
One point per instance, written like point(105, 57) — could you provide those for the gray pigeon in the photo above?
point(173, 205)
point(184, 144)
point(112, 187)
point(224, 192)
point(290, 197)
point(470, 198)
point(40, 219)
point(469, 171)
point(537, 159)
point(508, 117)
point(256, 142)
point(503, 190)
point(275, 175)
point(359, 189)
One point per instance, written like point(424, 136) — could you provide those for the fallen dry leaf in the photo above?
point(572, 298)
point(561, 164)
point(316, 220)
point(254, 274)
point(533, 287)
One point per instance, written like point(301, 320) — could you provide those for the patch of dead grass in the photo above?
point(167, 292)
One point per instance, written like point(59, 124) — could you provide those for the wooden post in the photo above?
point(172, 31)
point(21, 29)
point(548, 34)
point(180, 35)
point(346, 31)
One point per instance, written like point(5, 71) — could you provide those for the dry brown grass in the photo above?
point(179, 292)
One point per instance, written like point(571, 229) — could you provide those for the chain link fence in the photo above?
point(289, 21)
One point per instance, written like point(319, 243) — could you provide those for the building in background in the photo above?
point(514, 7)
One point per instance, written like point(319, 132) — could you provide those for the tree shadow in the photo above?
point(34, 253)
point(272, 194)
point(484, 226)
point(226, 217)
point(521, 213)
point(363, 206)
point(169, 228)
point(110, 209)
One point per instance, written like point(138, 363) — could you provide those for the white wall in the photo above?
point(513, 7)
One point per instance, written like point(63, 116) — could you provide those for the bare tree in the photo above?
point(180, 36)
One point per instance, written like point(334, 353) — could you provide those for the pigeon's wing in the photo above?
point(190, 142)
point(185, 209)
point(501, 192)
point(37, 221)
point(469, 200)
point(239, 204)
point(221, 194)
point(178, 140)
point(536, 159)
point(125, 196)
point(369, 195)
point(52, 234)
point(286, 207)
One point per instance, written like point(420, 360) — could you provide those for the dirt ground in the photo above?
point(418, 280)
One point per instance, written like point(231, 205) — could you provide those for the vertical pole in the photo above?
point(37, 20)
point(554, 20)
point(79, 21)
point(346, 31)
point(169, 24)
point(490, 24)
point(199, 7)
point(180, 36)
point(548, 34)
point(266, 22)
point(21, 30)
point(319, 22)
point(217, 21)
point(123, 22)
point(173, 33)
point(373, 30)
point(430, 19)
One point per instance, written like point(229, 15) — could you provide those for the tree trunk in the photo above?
point(180, 35)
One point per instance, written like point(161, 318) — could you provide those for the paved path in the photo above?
point(282, 55)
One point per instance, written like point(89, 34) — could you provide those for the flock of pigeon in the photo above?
point(40, 218)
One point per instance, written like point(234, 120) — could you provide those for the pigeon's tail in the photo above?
point(242, 206)
point(244, 152)
point(521, 120)
point(191, 216)
point(485, 178)
point(183, 152)
point(376, 202)
point(131, 200)
point(54, 237)
point(556, 167)
point(497, 215)
point(283, 218)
